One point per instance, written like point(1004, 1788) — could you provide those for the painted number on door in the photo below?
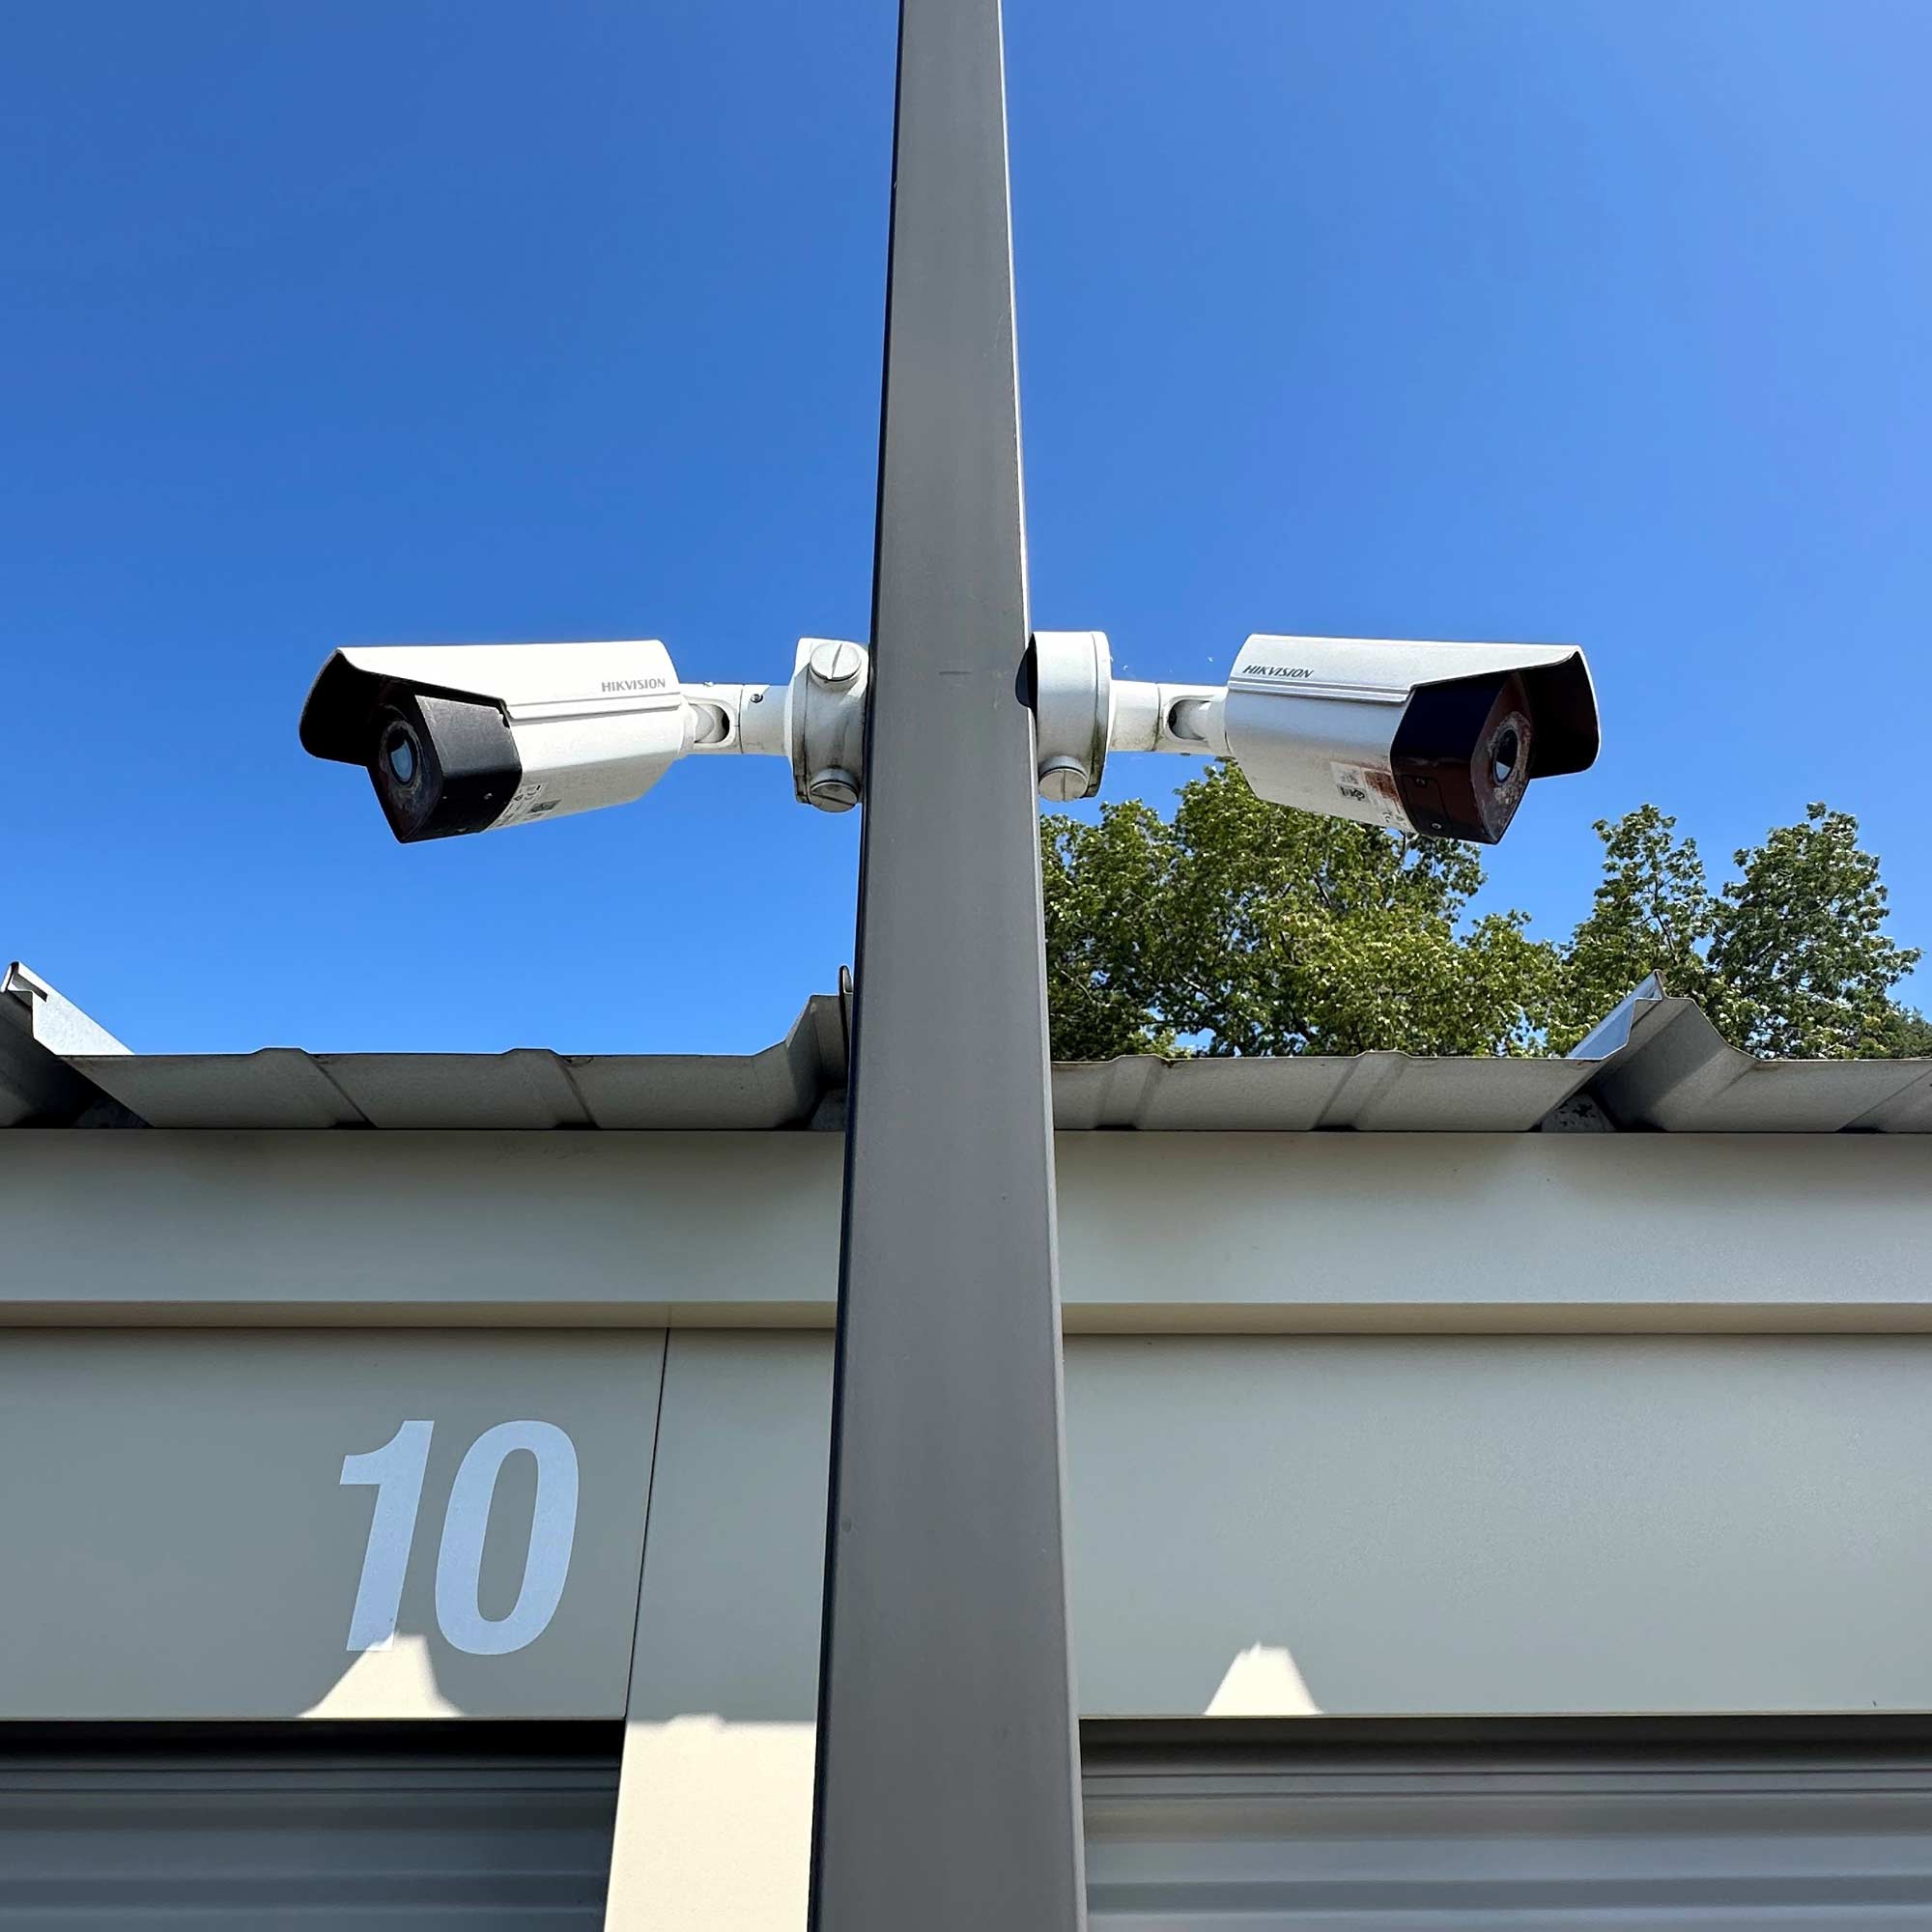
point(395, 1472)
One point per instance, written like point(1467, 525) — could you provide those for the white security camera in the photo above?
point(1439, 739)
point(476, 737)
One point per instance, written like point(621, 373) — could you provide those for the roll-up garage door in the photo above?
point(450, 1828)
point(1517, 1827)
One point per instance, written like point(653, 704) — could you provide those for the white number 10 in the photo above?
point(396, 1471)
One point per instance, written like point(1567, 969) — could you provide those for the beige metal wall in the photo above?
point(1371, 1525)
point(180, 1544)
point(1286, 1526)
point(1358, 1424)
point(1239, 1232)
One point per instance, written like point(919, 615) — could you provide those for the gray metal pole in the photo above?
point(948, 1788)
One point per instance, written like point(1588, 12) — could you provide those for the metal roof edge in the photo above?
point(783, 1086)
point(1681, 1076)
point(1612, 1033)
point(40, 1035)
point(1656, 1064)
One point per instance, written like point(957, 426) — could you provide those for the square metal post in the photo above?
point(948, 1783)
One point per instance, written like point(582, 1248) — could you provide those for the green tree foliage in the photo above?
point(1652, 913)
point(1797, 948)
point(1239, 928)
point(1244, 929)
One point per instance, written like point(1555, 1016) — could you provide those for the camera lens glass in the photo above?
point(400, 752)
point(1505, 754)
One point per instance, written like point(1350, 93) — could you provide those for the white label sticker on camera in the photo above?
point(528, 801)
point(1370, 796)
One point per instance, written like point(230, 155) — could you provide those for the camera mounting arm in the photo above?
point(818, 721)
point(1082, 711)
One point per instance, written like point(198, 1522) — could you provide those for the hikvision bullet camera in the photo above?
point(1438, 739)
point(476, 737)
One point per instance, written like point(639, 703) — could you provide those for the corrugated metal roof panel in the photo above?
point(1684, 1077)
point(1906, 1111)
point(526, 1088)
point(276, 1087)
point(1370, 1092)
point(1664, 1068)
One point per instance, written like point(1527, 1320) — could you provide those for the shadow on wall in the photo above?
point(729, 1609)
point(1281, 1526)
point(197, 1553)
point(1259, 1526)
point(1506, 1524)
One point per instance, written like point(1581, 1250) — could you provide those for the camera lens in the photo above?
point(1505, 754)
point(400, 752)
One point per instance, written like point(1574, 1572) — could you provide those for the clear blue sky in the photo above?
point(410, 321)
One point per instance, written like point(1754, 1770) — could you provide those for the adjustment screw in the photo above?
point(834, 789)
point(834, 664)
point(1062, 780)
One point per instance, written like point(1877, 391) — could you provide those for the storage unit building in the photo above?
point(1495, 1486)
